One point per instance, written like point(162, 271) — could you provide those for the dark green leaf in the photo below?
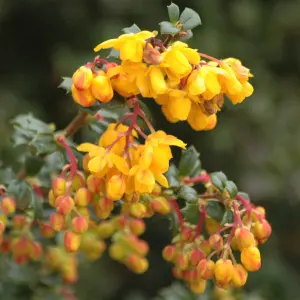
point(188, 193)
point(36, 205)
point(6, 175)
point(173, 11)
point(172, 176)
point(244, 195)
point(228, 217)
point(191, 212)
point(190, 164)
point(43, 144)
point(33, 164)
point(168, 28)
point(174, 222)
point(189, 35)
point(132, 29)
point(190, 19)
point(66, 84)
point(92, 110)
point(21, 191)
point(218, 179)
point(215, 210)
point(231, 188)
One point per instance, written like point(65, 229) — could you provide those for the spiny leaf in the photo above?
point(168, 28)
point(132, 29)
point(190, 164)
point(189, 18)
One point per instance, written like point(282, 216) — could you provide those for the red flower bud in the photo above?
point(57, 221)
point(82, 197)
point(59, 186)
point(79, 224)
point(71, 241)
point(136, 263)
point(82, 78)
point(8, 205)
point(117, 252)
point(262, 231)
point(84, 98)
point(182, 261)
point(94, 184)
point(250, 258)
point(137, 210)
point(198, 287)
point(206, 269)
point(169, 253)
point(195, 256)
point(216, 241)
point(137, 226)
point(47, 230)
point(105, 229)
point(101, 88)
point(161, 205)
point(35, 250)
point(64, 205)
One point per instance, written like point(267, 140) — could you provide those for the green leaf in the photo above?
point(190, 164)
point(174, 222)
point(173, 11)
point(132, 29)
point(113, 53)
point(33, 164)
point(188, 193)
point(168, 28)
point(244, 195)
point(43, 144)
point(228, 217)
point(66, 84)
point(231, 188)
point(189, 35)
point(21, 191)
point(92, 110)
point(190, 19)
point(36, 205)
point(215, 210)
point(218, 179)
point(172, 176)
point(191, 212)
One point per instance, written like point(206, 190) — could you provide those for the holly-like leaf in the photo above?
point(190, 164)
point(228, 217)
point(215, 209)
point(218, 179)
point(21, 191)
point(92, 110)
point(66, 84)
point(244, 195)
point(190, 19)
point(191, 212)
point(33, 164)
point(173, 11)
point(36, 205)
point(172, 176)
point(132, 29)
point(188, 193)
point(231, 188)
point(168, 28)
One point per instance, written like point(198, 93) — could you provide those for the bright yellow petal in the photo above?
point(158, 82)
point(171, 140)
point(161, 179)
point(97, 164)
point(128, 50)
point(87, 147)
point(121, 164)
point(133, 170)
point(144, 35)
point(107, 44)
point(146, 157)
point(192, 55)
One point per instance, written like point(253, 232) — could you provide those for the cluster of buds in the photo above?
point(7, 207)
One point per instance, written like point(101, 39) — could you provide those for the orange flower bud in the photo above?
point(18, 221)
point(196, 255)
point(104, 207)
point(137, 210)
point(105, 229)
point(78, 181)
point(216, 241)
point(64, 205)
point(119, 222)
point(177, 273)
point(169, 253)
point(198, 287)
point(117, 252)
point(262, 231)
point(191, 275)
point(47, 230)
point(240, 275)
point(82, 78)
point(57, 221)
point(59, 186)
point(137, 226)
point(71, 241)
point(161, 205)
point(234, 244)
point(8, 205)
point(19, 245)
point(206, 269)
point(101, 88)
point(2, 228)
point(187, 235)
point(136, 263)
point(94, 184)
point(244, 238)
point(85, 162)
point(79, 224)
point(96, 251)
point(84, 98)
point(205, 247)
point(223, 271)
point(35, 251)
point(84, 211)
point(182, 261)
point(82, 197)
point(250, 258)
point(51, 198)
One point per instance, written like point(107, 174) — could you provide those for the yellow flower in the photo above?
point(242, 73)
point(116, 186)
point(161, 138)
point(131, 46)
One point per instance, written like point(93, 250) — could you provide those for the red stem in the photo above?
point(178, 213)
point(210, 57)
point(147, 121)
point(203, 178)
point(201, 220)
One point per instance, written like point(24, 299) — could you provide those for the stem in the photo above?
point(139, 130)
point(201, 220)
point(248, 207)
point(147, 121)
point(236, 222)
point(178, 213)
point(203, 178)
point(75, 124)
point(210, 57)
point(167, 40)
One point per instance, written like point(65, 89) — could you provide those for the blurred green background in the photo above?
point(256, 144)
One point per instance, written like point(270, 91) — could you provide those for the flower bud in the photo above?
point(2, 228)
point(78, 181)
point(182, 261)
point(161, 205)
point(105, 206)
point(206, 269)
point(79, 224)
point(262, 231)
point(82, 197)
point(234, 244)
point(101, 88)
point(152, 56)
point(119, 222)
point(96, 251)
point(35, 251)
point(240, 275)
point(198, 287)
point(105, 229)
point(94, 184)
point(211, 225)
point(117, 252)
point(85, 163)
point(250, 258)
point(244, 238)
point(47, 230)
point(19, 245)
point(137, 210)
point(169, 253)
point(82, 78)
point(8, 205)
point(57, 221)
point(64, 205)
point(177, 273)
point(205, 247)
point(71, 241)
point(51, 198)
point(191, 275)
point(115, 187)
point(223, 271)
point(59, 186)
point(136, 263)
point(18, 221)
point(216, 242)
point(137, 226)
point(196, 255)
point(84, 98)
point(187, 235)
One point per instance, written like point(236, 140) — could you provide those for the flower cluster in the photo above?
point(177, 77)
